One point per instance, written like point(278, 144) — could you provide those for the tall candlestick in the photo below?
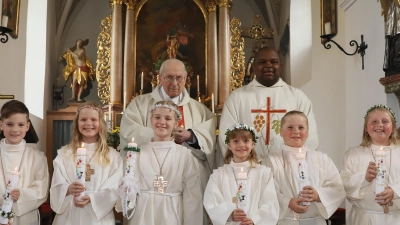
point(328, 28)
point(303, 171)
point(212, 102)
point(198, 83)
point(11, 184)
point(109, 112)
point(141, 82)
point(125, 100)
point(380, 163)
point(242, 190)
point(81, 168)
point(131, 159)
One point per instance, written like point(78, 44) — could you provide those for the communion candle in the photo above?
point(198, 83)
point(328, 28)
point(81, 168)
point(11, 184)
point(141, 81)
point(131, 159)
point(380, 163)
point(303, 171)
point(212, 102)
point(242, 190)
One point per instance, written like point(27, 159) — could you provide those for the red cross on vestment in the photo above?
point(181, 123)
point(268, 111)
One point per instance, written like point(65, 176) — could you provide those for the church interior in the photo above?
point(128, 38)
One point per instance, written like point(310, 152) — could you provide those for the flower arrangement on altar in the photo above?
point(113, 139)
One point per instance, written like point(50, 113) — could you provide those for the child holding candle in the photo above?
point(370, 172)
point(24, 176)
point(308, 185)
point(242, 191)
point(169, 182)
point(98, 178)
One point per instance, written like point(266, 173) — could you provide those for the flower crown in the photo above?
point(381, 106)
point(240, 126)
point(94, 106)
point(168, 107)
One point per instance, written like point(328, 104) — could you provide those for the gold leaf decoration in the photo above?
point(104, 60)
point(237, 54)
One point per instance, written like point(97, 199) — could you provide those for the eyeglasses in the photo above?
point(172, 78)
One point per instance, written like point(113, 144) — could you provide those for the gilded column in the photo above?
point(129, 65)
point(212, 50)
point(116, 53)
point(224, 55)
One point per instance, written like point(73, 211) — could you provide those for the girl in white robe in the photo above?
point(309, 190)
point(223, 191)
point(359, 171)
point(96, 207)
point(33, 183)
point(179, 200)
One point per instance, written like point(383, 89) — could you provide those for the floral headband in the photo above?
point(383, 107)
point(240, 126)
point(91, 106)
point(168, 107)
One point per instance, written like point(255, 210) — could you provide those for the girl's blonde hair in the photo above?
point(76, 142)
point(394, 137)
point(244, 134)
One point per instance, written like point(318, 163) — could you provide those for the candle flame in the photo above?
point(300, 150)
point(381, 148)
point(133, 139)
point(82, 145)
point(241, 169)
point(16, 168)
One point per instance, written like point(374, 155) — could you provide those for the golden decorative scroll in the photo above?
point(224, 3)
point(104, 60)
point(211, 6)
point(130, 4)
point(237, 54)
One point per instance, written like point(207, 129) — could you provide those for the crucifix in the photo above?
point(160, 183)
point(88, 172)
point(268, 111)
point(257, 32)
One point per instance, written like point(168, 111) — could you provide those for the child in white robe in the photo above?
point(359, 171)
point(307, 182)
point(15, 154)
point(179, 200)
point(222, 192)
point(96, 208)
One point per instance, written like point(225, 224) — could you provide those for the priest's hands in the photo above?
point(238, 215)
point(310, 194)
point(15, 195)
point(181, 135)
point(75, 189)
point(85, 200)
point(386, 195)
point(295, 206)
point(371, 173)
point(247, 221)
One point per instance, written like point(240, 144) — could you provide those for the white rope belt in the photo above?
point(374, 212)
point(165, 194)
point(305, 219)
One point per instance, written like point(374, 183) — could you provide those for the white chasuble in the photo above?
point(361, 193)
point(325, 180)
point(263, 108)
point(33, 181)
point(181, 202)
point(102, 188)
point(263, 207)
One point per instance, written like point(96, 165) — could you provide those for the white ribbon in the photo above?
point(128, 188)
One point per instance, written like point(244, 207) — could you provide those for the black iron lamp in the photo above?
point(3, 34)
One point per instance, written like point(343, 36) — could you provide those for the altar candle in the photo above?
point(380, 163)
point(11, 184)
point(212, 102)
point(81, 168)
point(130, 159)
point(327, 28)
point(109, 112)
point(303, 171)
point(198, 83)
point(141, 81)
point(124, 101)
point(242, 190)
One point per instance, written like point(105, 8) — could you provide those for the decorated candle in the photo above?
point(11, 184)
point(303, 171)
point(380, 163)
point(212, 102)
point(81, 167)
point(242, 190)
point(130, 159)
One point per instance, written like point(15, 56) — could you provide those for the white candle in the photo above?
point(124, 101)
point(198, 83)
point(380, 163)
point(327, 28)
point(81, 168)
point(242, 190)
point(11, 184)
point(109, 112)
point(303, 171)
point(130, 159)
point(141, 82)
point(4, 21)
point(212, 102)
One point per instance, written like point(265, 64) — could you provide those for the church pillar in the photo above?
point(116, 53)
point(129, 65)
point(212, 50)
point(224, 55)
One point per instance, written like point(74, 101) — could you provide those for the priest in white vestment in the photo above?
point(262, 104)
point(33, 182)
point(101, 188)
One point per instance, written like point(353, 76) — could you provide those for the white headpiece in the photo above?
point(168, 107)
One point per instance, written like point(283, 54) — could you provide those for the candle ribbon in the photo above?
point(127, 190)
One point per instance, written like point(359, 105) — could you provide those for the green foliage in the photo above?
point(276, 125)
point(113, 139)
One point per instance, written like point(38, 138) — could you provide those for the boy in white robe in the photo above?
point(179, 201)
point(360, 172)
point(308, 185)
point(100, 189)
point(33, 182)
point(257, 202)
